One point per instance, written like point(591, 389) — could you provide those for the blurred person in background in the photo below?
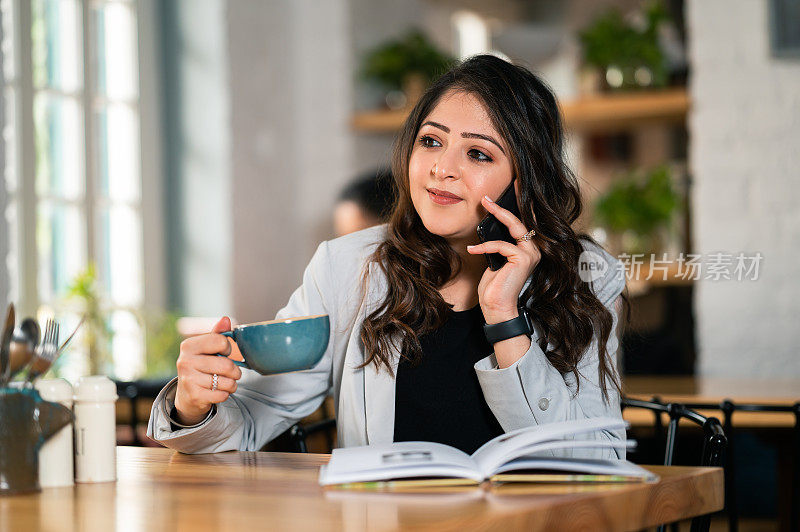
point(426, 342)
point(365, 202)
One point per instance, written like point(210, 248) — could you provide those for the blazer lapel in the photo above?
point(379, 385)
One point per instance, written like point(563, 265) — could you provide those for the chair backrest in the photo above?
point(714, 440)
point(133, 391)
point(298, 433)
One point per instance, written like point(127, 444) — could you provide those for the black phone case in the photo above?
point(491, 228)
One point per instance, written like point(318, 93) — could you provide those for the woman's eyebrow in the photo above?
point(484, 137)
point(436, 124)
point(465, 135)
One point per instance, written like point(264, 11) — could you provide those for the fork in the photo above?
point(45, 352)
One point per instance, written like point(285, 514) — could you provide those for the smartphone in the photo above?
point(491, 228)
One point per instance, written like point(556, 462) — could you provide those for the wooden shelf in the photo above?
point(379, 121)
point(620, 110)
point(598, 113)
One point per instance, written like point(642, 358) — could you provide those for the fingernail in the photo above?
point(488, 199)
point(470, 247)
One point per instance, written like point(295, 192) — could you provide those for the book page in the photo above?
point(539, 449)
point(397, 460)
point(503, 448)
point(621, 468)
point(535, 452)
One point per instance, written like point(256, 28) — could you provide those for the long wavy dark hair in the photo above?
point(418, 263)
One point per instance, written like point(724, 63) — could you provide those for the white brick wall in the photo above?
point(745, 159)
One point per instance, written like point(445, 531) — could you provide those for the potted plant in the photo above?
point(405, 67)
point(637, 210)
point(96, 335)
point(162, 337)
point(626, 55)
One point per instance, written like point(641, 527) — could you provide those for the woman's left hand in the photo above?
point(498, 291)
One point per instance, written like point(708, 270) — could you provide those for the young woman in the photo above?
point(408, 357)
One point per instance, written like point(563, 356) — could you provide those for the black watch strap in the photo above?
point(497, 332)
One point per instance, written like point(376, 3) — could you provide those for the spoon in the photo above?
point(23, 345)
point(30, 328)
point(5, 345)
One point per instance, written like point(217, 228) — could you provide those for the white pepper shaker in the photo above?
point(55, 456)
point(95, 430)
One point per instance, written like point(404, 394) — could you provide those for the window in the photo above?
point(73, 164)
point(784, 28)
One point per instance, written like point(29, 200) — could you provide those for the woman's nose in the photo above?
point(444, 167)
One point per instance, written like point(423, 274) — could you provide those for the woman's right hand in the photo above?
point(197, 364)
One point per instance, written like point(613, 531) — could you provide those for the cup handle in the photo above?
point(229, 334)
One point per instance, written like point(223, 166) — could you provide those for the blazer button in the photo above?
point(544, 402)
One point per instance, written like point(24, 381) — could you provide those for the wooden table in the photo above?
point(713, 390)
point(772, 427)
point(159, 489)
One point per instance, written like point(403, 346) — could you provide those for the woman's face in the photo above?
point(458, 153)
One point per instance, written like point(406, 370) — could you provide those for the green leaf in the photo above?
point(611, 41)
point(391, 62)
point(641, 203)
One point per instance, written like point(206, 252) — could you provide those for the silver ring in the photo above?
point(527, 236)
point(214, 382)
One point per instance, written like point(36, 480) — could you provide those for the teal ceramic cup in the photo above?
point(281, 346)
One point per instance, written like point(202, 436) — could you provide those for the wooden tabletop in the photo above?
point(713, 390)
point(159, 489)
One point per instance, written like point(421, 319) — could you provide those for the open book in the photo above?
point(523, 455)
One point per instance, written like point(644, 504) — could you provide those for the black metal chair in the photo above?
point(295, 439)
point(728, 407)
point(714, 440)
point(133, 391)
point(299, 433)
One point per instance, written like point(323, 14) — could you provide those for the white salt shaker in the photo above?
point(55, 456)
point(95, 430)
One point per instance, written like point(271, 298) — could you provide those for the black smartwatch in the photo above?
point(497, 332)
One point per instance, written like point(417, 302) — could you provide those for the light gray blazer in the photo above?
point(529, 392)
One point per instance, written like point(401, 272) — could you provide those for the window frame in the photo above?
point(149, 207)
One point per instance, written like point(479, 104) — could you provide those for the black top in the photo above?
point(440, 399)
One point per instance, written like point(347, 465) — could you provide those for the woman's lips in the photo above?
point(443, 198)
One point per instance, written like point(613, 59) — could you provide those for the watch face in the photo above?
point(523, 311)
